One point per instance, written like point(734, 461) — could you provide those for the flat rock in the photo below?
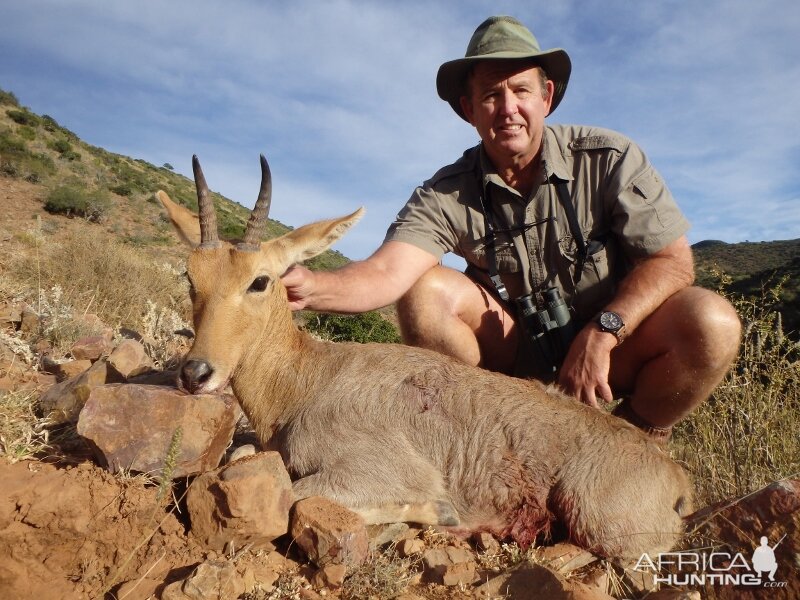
point(132, 426)
point(244, 502)
point(328, 532)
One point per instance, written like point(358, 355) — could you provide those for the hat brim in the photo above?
point(452, 76)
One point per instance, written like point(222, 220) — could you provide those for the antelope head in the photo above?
point(239, 304)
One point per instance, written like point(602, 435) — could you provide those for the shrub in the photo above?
point(362, 328)
point(17, 161)
point(60, 146)
point(27, 133)
point(71, 200)
point(168, 166)
point(23, 117)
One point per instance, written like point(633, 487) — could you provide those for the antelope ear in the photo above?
point(186, 223)
point(310, 240)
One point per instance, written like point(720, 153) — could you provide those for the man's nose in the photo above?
point(508, 103)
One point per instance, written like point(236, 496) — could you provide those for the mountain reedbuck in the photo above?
point(397, 433)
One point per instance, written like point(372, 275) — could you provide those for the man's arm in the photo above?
point(362, 285)
point(652, 280)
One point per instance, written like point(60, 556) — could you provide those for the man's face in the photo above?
point(507, 106)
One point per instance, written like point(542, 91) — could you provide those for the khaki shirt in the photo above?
point(621, 203)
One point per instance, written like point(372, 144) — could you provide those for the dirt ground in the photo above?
point(62, 526)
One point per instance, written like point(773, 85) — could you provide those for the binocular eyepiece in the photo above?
point(549, 331)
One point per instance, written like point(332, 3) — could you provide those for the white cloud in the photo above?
point(340, 95)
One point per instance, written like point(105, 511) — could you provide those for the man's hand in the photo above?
point(584, 373)
point(299, 283)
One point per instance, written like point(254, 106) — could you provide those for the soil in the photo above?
point(77, 531)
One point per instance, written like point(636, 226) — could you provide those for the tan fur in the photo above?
point(395, 432)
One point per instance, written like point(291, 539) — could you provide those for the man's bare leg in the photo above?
point(677, 356)
point(448, 312)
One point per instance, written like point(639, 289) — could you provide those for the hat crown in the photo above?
point(501, 34)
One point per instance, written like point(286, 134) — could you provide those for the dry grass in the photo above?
point(384, 575)
point(23, 435)
point(748, 433)
point(98, 274)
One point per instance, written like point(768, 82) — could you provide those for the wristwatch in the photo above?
point(611, 322)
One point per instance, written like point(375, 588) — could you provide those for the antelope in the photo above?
point(398, 433)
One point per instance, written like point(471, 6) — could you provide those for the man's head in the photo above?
point(501, 39)
point(507, 101)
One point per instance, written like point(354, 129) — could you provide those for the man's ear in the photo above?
point(466, 108)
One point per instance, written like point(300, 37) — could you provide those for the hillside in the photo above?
point(73, 178)
point(752, 266)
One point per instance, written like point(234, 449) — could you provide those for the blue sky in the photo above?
point(340, 95)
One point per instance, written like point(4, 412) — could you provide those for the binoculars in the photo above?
point(549, 331)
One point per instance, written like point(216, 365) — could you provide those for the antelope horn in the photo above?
point(258, 217)
point(208, 218)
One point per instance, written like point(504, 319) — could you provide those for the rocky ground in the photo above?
point(116, 492)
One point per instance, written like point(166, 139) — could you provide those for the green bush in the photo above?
point(17, 161)
point(362, 328)
point(60, 146)
point(23, 117)
point(71, 200)
point(27, 133)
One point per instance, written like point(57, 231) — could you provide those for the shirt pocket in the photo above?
point(596, 286)
point(505, 253)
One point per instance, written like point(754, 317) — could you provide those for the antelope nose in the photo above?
point(195, 373)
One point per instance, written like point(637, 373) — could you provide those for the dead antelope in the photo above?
point(397, 433)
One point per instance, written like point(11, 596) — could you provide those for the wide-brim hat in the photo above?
point(502, 38)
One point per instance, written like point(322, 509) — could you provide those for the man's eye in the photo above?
point(259, 284)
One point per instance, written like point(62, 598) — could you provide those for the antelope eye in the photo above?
point(259, 284)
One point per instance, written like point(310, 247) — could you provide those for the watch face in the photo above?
point(611, 321)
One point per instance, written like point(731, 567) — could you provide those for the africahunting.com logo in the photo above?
point(714, 568)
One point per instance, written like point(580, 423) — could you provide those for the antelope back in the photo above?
point(238, 301)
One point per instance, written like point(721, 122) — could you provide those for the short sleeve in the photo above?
point(644, 215)
point(422, 223)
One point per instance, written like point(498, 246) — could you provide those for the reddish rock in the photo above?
point(535, 582)
point(449, 566)
point(90, 348)
point(329, 533)
point(330, 576)
point(737, 526)
point(244, 502)
point(132, 427)
point(129, 359)
point(211, 579)
point(63, 402)
point(485, 542)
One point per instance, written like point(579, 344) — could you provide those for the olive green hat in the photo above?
point(502, 38)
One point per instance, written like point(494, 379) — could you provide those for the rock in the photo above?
point(675, 595)
point(213, 579)
point(329, 533)
point(67, 369)
point(242, 452)
point(485, 542)
point(138, 589)
point(380, 535)
point(10, 315)
point(330, 576)
point(244, 502)
point(132, 427)
point(406, 548)
point(129, 359)
point(737, 526)
point(565, 558)
point(30, 322)
point(535, 582)
point(63, 402)
point(165, 378)
point(449, 566)
point(90, 348)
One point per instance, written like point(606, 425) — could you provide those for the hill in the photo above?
point(73, 178)
point(753, 266)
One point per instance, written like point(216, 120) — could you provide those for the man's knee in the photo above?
point(709, 325)
point(427, 298)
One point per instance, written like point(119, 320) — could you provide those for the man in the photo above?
point(619, 257)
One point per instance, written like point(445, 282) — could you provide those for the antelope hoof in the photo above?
point(446, 514)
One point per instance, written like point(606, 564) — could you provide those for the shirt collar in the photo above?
point(552, 160)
